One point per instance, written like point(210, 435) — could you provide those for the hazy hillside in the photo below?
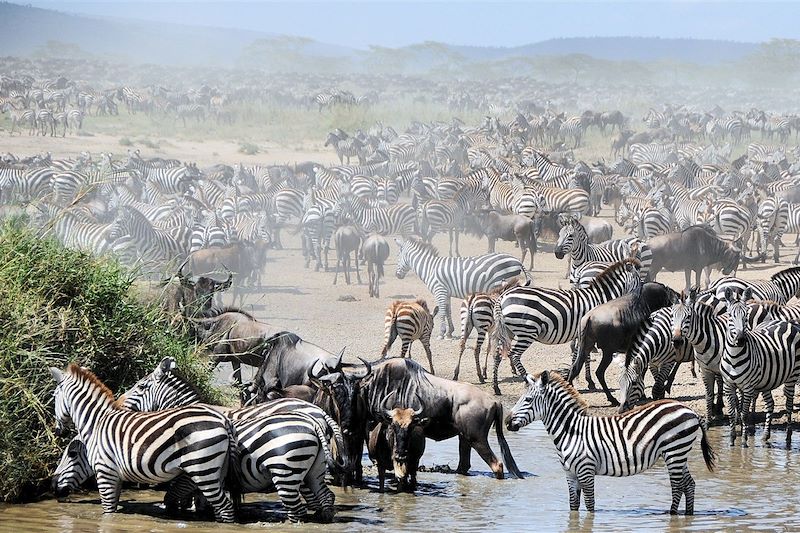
point(26, 31)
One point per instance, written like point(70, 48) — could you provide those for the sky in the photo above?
point(484, 23)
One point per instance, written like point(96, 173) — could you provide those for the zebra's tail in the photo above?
point(233, 475)
point(508, 459)
point(334, 458)
point(502, 334)
point(709, 456)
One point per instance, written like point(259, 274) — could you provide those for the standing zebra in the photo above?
point(781, 287)
point(574, 240)
point(613, 445)
point(144, 447)
point(773, 220)
point(398, 219)
point(552, 316)
point(454, 277)
point(758, 361)
point(136, 238)
point(410, 321)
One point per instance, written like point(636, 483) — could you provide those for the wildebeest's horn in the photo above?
point(180, 268)
point(339, 359)
point(368, 365)
point(386, 398)
point(419, 402)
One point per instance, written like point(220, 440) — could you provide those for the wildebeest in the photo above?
point(181, 295)
point(288, 360)
point(397, 442)
point(347, 239)
point(513, 228)
point(243, 258)
point(453, 409)
point(694, 249)
point(612, 325)
point(234, 336)
point(375, 250)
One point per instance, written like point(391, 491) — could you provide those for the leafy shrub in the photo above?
point(58, 306)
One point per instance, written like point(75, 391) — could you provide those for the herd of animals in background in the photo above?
point(683, 203)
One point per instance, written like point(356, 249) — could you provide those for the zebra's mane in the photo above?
point(424, 246)
point(555, 377)
point(612, 270)
point(500, 289)
point(87, 375)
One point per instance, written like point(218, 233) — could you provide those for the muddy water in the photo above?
point(754, 488)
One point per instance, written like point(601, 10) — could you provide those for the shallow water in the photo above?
point(753, 488)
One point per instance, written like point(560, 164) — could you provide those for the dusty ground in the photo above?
point(307, 303)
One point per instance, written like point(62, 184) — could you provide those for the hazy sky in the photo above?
point(386, 23)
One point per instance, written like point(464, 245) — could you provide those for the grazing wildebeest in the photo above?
point(694, 249)
point(375, 250)
point(243, 258)
point(612, 326)
point(453, 409)
point(234, 336)
point(397, 442)
point(347, 239)
point(513, 228)
point(410, 321)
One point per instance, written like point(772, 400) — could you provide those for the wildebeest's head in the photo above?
point(403, 424)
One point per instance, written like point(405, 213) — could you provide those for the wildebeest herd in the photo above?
point(684, 204)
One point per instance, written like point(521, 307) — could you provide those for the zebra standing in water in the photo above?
point(613, 445)
point(454, 277)
point(144, 447)
point(410, 321)
point(294, 436)
point(552, 316)
point(758, 361)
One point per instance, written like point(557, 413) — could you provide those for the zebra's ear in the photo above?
point(728, 294)
point(529, 379)
point(57, 374)
point(747, 295)
point(544, 377)
point(166, 366)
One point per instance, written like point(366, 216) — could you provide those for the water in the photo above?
point(756, 488)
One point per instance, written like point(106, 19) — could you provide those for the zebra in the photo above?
point(79, 235)
point(613, 445)
point(552, 316)
point(477, 312)
point(20, 117)
point(773, 221)
point(393, 220)
point(144, 447)
point(133, 100)
point(210, 231)
point(346, 147)
point(555, 200)
point(46, 121)
point(410, 321)
point(653, 347)
point(454, 277)
point(132, 233)
point(165, 389)
point(781, 287)
point(574, 240)
point(446, 215)
point(758, 361)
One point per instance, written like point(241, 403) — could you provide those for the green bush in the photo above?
point(58, 306)
point(124, 141)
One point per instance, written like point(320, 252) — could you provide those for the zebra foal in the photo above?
point(410, 321)
point(621, 445)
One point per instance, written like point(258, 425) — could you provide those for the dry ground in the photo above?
point(307, 303)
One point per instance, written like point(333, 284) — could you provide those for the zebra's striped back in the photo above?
point(621, 445)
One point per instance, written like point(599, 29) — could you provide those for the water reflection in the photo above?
point(754, 487)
